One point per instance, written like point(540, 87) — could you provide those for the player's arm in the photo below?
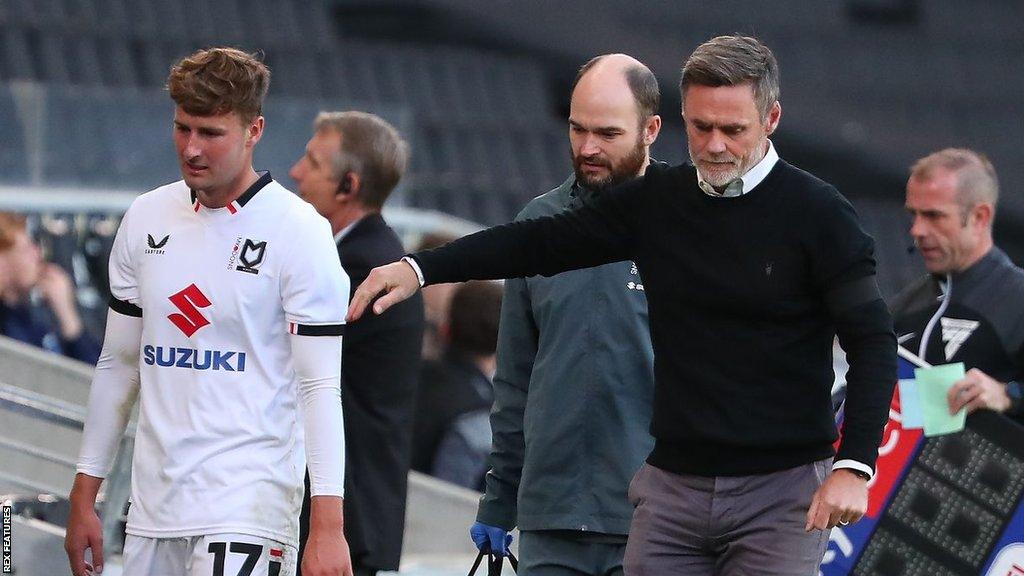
point(314, 294)
point(115, 387)
point(317, 361)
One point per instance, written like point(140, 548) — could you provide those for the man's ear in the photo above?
point(651, 129)
point(774, 115)
point(350, 183)
point(982, 214)
point(254, 132)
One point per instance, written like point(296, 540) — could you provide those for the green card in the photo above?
point(932, 386)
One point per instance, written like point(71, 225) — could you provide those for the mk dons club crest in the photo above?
point(252, 256)
point(249, 256)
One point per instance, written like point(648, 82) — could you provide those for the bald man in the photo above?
point(574, 383)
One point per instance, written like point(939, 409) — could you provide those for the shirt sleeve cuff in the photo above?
point(415, 267)
point(854, 465)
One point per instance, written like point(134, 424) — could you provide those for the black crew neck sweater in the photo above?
point(745, 296)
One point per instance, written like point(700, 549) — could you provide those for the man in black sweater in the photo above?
point(750, 266)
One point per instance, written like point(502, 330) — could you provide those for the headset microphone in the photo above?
point(345, 186)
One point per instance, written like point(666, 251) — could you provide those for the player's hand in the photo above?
point(397, 281)
point(84, 532)
point(978, 390)
point(490, 539)
point(326, 555)
point(842, 499)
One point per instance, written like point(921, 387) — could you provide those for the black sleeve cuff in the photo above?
point(316, 329)
point(126, 308)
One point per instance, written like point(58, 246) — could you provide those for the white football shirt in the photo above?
point(219, 444)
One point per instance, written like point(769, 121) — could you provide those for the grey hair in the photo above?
point(733, 61)
point(371, 148)
point(976, 177)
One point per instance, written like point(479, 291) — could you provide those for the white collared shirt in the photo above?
point(746, 182)
point(344, 231)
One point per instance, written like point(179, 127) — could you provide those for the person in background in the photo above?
point(22, 271)
point(351, 165)
point(970, 306)
point(453, 434)
point(577, 344)
point(436, 299)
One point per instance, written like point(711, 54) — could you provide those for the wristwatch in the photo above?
point(1014, 391)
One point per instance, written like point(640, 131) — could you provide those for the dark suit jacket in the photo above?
point(380, 364)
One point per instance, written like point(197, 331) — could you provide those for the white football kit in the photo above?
point(227, 323)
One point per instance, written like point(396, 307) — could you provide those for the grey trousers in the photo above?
point(725, 526)
point(558, 553)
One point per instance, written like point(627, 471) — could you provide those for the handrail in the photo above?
point(43, 454)
point(47, 408)
point(40, 406)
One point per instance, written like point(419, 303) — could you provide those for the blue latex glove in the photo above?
point(490, 538)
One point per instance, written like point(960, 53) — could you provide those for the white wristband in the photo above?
point(415, 268)
point(853, 464)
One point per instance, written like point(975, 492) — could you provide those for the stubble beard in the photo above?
point(626, 169)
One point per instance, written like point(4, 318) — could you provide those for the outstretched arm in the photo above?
point(593, 234)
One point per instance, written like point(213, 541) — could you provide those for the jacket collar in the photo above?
point(365, 225)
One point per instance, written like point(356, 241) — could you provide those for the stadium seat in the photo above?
point(13, 160)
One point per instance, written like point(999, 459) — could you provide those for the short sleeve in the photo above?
point(314, 288)
point(124, 287)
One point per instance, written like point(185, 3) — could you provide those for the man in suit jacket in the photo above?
point(351, 165)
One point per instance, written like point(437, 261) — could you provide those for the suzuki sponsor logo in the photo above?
point(189, 301)
point(172, 356)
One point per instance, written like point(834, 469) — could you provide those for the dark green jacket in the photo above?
point(573, 394)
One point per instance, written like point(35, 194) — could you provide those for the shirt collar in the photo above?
point(235, 205)
point(746, 182)
point(344, 231)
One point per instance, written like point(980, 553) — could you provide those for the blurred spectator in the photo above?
point(453, 430)
point(57, 327)
point(435, 300)
point(968, 308)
